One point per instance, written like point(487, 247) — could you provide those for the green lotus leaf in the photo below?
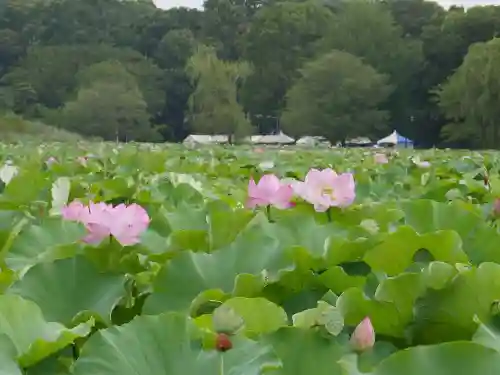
point(449, 313)
point(395, 254)
point(53, 239)
point(259, 314)
point(478, 239)
point(457, 358)
point(307, 352)
point(8, 363)
point(33, 337)
point(66, 288)
point(162, 345)
point(183, 278)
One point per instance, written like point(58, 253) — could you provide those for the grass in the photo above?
point(15, 129)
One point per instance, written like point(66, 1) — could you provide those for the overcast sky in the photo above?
point(198, 3)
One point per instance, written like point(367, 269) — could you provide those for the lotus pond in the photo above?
point(159, 260)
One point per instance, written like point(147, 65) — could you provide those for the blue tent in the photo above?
point(395, 139)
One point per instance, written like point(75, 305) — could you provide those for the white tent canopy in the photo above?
point(391, 139)
point(312, 141)
point(205, 139)
point(280, 138)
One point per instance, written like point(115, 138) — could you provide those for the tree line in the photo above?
point(126, 70)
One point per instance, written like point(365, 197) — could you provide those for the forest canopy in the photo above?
point(127, 70)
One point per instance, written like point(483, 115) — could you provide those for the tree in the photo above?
point(281, 37)
point(52, 70)
point(470, 98)
point(337, 97)
point(446, 40)
point(87, 21)
point(214, 106)
point(175, 48)
point(172, 54)
point(224, 24)
point(381, 43)
point(110, 111)
point(109, 104)
point(151, 28)
point(414, 15)
point(108, 71)
point(10, 48)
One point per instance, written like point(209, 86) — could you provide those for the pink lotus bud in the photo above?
point(363, 337)
point(50, 161)
point(82, 160)
point(496, 207)
point(380, 159)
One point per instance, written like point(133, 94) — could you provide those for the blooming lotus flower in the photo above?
point(125, 223)
point(326, 188)
point(98, 220)
point(128, 223)
point(380, 159)
point(269, 191)
point(75, 211)
point(363, 337)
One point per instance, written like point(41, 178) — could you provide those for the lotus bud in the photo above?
point(225, 320)
point(363, 337)
point(223, 342)
point(496, 207)
point(380, 159)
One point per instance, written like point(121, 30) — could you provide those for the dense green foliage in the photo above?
point(126, 70)
point(417, 253)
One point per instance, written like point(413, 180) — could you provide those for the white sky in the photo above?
point(165, 4)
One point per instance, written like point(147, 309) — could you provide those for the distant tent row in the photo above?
point(393, 139)
point(271, 139)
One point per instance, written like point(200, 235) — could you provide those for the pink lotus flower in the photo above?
point(82, 160)
point(363, 337)
point(326, 188)
point(381, 159)
point(128, 223)
point(125, 223)
point(98, 221)
point(75, 211)
point(50, 161)
point(269, 191)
